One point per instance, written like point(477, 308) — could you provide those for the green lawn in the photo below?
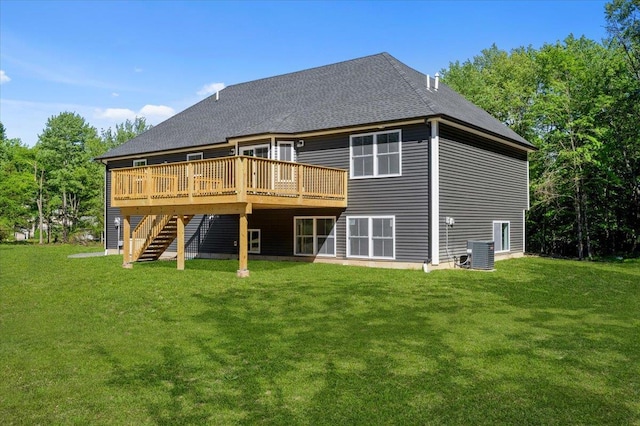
point(539, 341)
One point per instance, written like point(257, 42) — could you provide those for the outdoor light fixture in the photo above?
point(232, 151)
point(300, 143)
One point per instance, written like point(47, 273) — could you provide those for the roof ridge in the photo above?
point(307, 69)
point(396, 66)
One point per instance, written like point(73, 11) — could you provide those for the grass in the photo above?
point(538, 341)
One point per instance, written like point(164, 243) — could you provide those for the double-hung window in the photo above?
point(371, 237)
point(376, 154)
point(314, 236)
point(501, 236)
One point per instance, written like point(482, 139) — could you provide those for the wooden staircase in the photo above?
point(154, 234)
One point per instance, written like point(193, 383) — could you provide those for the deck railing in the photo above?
point(241, 177)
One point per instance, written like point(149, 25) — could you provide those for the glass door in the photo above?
point(259, 176)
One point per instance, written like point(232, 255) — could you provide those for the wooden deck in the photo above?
point(230, 180)
point(168, 195)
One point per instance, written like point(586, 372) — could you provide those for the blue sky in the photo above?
point(113, 60)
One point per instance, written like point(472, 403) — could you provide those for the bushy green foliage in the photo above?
point(578, 101)
point(59, 173)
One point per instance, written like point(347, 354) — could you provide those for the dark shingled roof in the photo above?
point(376, 88)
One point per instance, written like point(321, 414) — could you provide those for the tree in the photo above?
point(623, 25)
point(17, 188)
point(503, 83)
point(62, 152)
point(578, 101)
point(123, 133)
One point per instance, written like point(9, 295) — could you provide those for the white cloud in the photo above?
point(4, 78)
point(209, 89)
point(137, 69)
point(119, 114)
point(115, 95)
point(153, 112)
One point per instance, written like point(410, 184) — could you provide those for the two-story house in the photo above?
point(366, 161)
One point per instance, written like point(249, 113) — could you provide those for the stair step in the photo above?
point(163, 239)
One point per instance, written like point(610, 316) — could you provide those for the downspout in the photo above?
point(434, 181)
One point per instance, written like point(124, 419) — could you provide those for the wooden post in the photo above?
point(126, 242)
point(148, 184)
point(243, 256)
point(345, 186)
point(300, 182)
point(180, 242)
point(240, 173)
point(191, 180)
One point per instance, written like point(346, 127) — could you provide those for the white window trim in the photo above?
point(242, 149)
point(375, 154)
point(249, 232)
point(193, 154)
point(370, 235)
point(315, 236)
point(493, 225)
point(141, 162)
point(293, 150)
point(292, 172)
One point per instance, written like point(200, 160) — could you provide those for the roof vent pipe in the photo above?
point(437, 79)
point(217, 95)
point(428, 82)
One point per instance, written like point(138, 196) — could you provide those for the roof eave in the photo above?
point(484, 132)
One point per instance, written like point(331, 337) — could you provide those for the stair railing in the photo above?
point(146, 231)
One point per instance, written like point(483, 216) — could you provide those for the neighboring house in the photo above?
point(359, 162)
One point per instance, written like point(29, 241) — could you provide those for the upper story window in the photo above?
point(286, 151)
point(376, 154)
point(194, 156)
point(140, 162)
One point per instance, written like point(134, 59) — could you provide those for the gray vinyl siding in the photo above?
point(480, 181)
point(218, 234)
point(406, 197)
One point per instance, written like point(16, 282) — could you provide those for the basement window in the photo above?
point(314, 236)
point(254, 241)
point(371, 237)
point(501, 236)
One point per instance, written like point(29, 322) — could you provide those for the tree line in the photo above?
point(578, 102)
point(55, 188)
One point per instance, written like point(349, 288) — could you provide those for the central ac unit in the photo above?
point(481, 253)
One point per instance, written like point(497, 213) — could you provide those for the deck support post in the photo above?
point(126, 237)
point(243, 248)
point(180, 242)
